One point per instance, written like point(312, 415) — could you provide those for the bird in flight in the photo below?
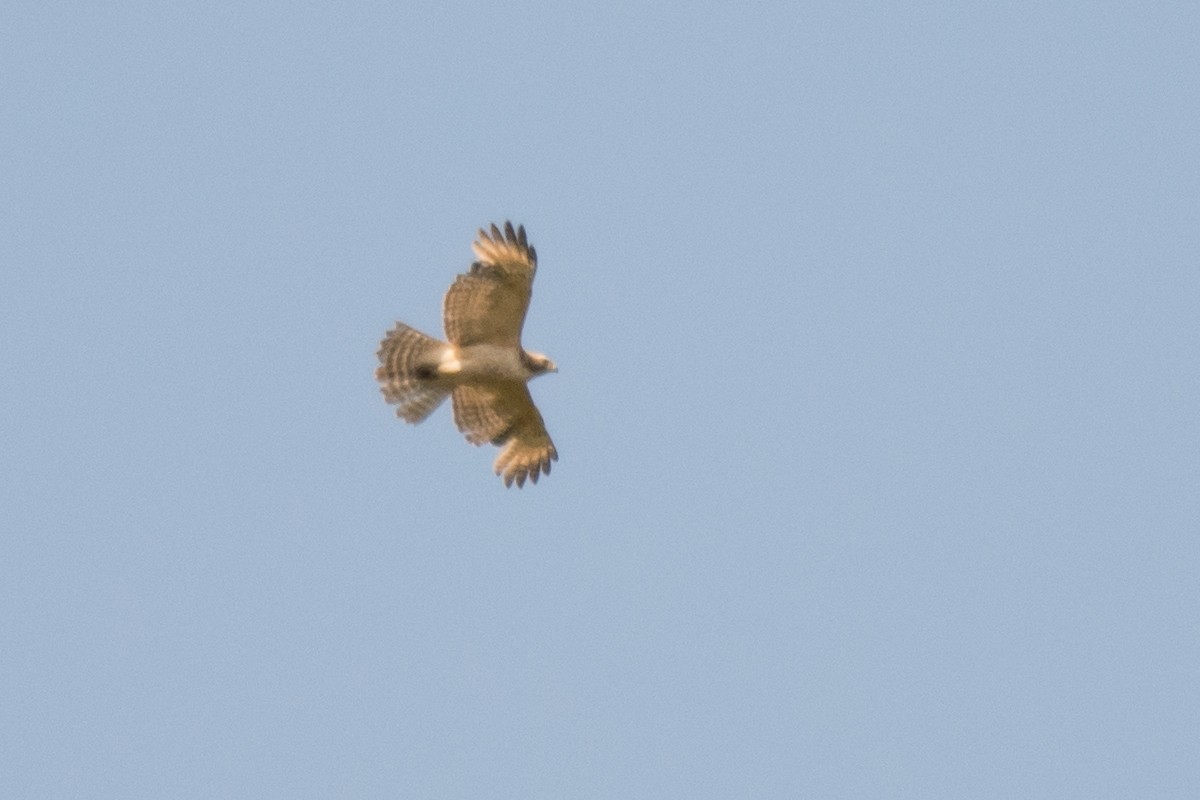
point(482, 366)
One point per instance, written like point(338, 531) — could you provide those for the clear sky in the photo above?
point(877, 409)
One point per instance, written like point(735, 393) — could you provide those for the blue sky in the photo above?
point(876, 411)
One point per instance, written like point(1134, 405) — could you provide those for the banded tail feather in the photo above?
point(408, 366)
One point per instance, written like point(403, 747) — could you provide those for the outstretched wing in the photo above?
point(504, 414)
point(488, 304)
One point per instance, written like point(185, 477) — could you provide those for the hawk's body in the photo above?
point(483, 366)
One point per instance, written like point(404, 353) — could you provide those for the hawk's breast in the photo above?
point(492, 362)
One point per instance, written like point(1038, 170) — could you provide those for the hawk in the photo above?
point(482, 366)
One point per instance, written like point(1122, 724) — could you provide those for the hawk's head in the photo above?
point(538, 364)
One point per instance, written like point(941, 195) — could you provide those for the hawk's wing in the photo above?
point(504, 414)
point(488, 304)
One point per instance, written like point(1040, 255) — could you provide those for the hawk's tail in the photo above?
point(408, 363)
